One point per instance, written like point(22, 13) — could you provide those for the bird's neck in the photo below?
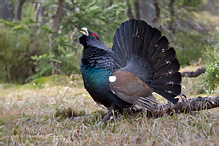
point(97, 58)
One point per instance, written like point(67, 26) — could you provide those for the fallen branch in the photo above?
point(193, 73)
point(187, 106)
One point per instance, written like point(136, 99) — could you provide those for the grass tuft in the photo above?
point(68, 113)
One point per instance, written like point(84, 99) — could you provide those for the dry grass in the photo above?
point(40, 115)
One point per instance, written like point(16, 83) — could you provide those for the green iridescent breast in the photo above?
point(95, 78)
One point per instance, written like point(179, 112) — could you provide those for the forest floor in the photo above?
point(40, 113)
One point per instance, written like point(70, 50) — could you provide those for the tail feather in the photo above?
point(120, 52)
point(121, 32)
point(167, 69)
point(172, 89)
point(118, 61)
point(141, 50)
point(162, 47)
point(147, 37)
point(147, 102)
point(164, 80)
point(139, 38)
point(164, 58)
point(168, 96)
point(153, 44)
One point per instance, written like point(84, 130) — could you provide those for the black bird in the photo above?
point(140, 63)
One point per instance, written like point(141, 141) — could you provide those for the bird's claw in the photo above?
point(107, 117)
point(183, 97)
point(99, 125)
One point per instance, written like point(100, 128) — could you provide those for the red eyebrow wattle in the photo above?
point(93, 34)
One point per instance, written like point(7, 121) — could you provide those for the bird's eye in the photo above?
point(94, 35)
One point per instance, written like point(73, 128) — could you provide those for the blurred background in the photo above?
point(40, 37)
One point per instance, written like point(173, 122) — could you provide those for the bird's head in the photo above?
point(89, 38)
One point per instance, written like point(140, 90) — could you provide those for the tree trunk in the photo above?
point(172, 17)
point(110, 2)
point(18, 10)
point(37, 11)
point(107, 3)
point(129, 10)
point(44, 15)
point(147, 12)
point(8, 72)
point(137, 9)
point(6, 10)
point(56, 19)
point(157, 20)
point(55, 24)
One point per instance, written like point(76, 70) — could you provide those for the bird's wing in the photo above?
point(131, 89)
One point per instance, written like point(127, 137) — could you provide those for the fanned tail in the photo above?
point(141, 49)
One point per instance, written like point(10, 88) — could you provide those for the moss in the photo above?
point(5, 86)
point(51, 81)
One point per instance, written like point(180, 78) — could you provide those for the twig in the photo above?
point(47, 20)
point(66, 92)
point(193, 73)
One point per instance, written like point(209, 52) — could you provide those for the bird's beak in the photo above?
point(84, 31)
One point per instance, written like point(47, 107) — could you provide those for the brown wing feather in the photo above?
point(129, 87)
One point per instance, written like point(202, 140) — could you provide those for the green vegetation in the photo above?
point(42, 45)
point(210, 80)
point(30, 50)
point(18, 43)
point(189, 47)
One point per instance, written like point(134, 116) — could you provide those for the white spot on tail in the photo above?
point(169, 92)
point(167, 61)
point(112, 78)
point(170, 82)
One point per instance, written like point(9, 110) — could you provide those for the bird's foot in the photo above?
point(78, 118)
point(137, 110)
point(103, 121)
point(99, 125)
point(183, 97)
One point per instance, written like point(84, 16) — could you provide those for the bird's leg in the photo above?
point(132, 107)
point(183, 97)
point(78, 118)
point(107, 117)
point(135, 109)
point(113, 111)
